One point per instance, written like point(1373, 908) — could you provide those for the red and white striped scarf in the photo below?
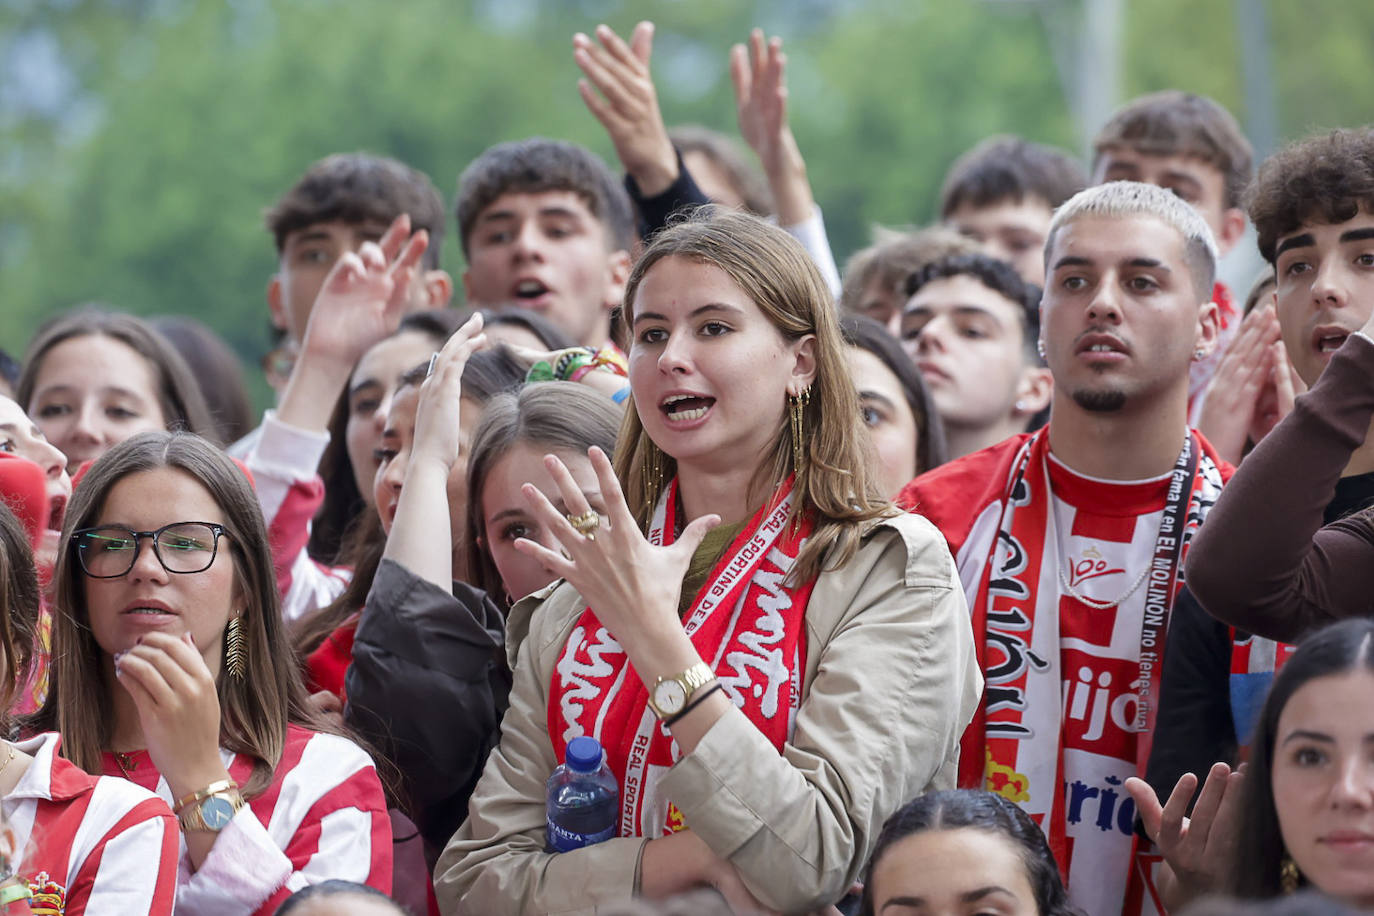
point(746, 624)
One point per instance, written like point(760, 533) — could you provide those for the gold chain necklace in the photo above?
point(125, 762)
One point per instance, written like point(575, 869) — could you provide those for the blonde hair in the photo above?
point(254, 711)
point(1126, 199)
point(836, 483)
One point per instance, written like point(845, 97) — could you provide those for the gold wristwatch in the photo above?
point(211, 809)
point(669, 695)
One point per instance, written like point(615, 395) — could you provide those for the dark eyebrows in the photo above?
point(365, 383)
point(709, 307)
point(1150, 264)
point(1307, 735)
point(506, 513)
point(1072, 260)
point(1305, 240)
point(1357, 235)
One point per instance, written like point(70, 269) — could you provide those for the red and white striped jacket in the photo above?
point(100, 845)
point(282, 461)
point(323, 816)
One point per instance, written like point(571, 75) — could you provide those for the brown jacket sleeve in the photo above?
point(1263, 562)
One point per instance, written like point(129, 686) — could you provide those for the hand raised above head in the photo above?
point(365, 294)
point(439, 409)
point(759, 74)
point(619, 92)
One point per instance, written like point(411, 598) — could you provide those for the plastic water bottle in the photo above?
point(583, 799)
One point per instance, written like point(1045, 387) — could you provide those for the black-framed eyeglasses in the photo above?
point(109, 551)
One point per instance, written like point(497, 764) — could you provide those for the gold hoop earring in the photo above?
point(234, 661)
point(796, 409)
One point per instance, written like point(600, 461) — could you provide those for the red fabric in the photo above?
point(310, 788)
point(24, 487)
point(743, 616)
point(326, 666)
point(94, 842)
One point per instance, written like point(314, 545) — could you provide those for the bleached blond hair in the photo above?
point(1128, 199)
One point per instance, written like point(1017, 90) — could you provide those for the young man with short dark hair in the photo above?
point(544, 225)
point(1192, 146)
point(1002, 193)
point(1071, 542)
point(339, 203)
point(971, 325)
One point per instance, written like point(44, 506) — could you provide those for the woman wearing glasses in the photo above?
point(773, 658)
point(170, 668)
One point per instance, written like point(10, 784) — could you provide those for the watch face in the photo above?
point(669, 697)
point(217, 811)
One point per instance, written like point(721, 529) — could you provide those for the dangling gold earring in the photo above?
point(651, 469)
point(233, 648)
point(1289, 876)
point(796, 408)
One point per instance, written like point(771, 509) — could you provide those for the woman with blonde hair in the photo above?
point(171, 668)
point(772, 657)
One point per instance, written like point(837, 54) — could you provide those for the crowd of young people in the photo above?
point(917, 589)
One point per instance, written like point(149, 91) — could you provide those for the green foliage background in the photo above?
point(142, 180)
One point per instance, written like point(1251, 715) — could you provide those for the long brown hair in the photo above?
point(835, 483)
point(178, 391)
point(254, 711)
point(19, 605)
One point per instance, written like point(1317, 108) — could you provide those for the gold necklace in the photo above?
point(9, 758)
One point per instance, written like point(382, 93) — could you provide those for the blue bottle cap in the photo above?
point(584, 754)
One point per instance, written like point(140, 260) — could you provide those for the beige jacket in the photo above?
point(891, 681)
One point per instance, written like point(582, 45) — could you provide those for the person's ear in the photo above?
point(437, 289)
point(1033, 391)
point(804, 367)
point(1233, 224)
point(274, 303)
point(618, 264)
point(1208, 330)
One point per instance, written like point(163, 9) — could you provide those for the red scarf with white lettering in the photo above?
point(746, 624)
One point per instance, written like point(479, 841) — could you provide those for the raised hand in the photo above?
point(759, 76)
point(437, 414)
point(364, 296)
point(1233, 398)
point(619, 92)
point(1281, 388)
point(1199, 850)
point(360, 302)
point(421, 537)
point(633, 585)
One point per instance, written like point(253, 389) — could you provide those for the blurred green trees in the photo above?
point(140, 140)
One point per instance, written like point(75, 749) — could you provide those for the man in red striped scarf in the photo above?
point(1071, 541)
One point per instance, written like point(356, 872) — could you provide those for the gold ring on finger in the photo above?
point(586, 523)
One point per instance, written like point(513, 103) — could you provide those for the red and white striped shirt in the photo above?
point(110, 846)
point(323, 816)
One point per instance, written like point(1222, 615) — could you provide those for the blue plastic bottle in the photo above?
point(583, 799)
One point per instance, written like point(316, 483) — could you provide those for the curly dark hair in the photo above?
point(537, 164)
point(1175, 123)
point(1008, 168)
point(998, 276)
point(1324, 179)
point(359, 188)
point(956, 808)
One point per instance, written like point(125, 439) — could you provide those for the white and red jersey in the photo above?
point(1077, 672)
point(283, 462)
point(99, 845)
point(323, 816)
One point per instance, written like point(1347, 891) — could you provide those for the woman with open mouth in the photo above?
point(747, 611)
